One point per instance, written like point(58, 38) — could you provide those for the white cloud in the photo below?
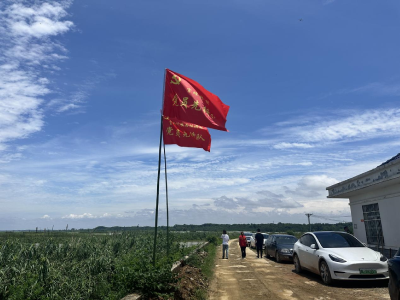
point(379, 89)
point(284, 145)
point(74, 102)
point(261, 199)
point(91, 216)
point(68, 107)
point(46, 217)
point(374, 88)
point(317, 181)
point(82, 216)
point(365, 125)
point(349, 126)
point(311, 186)
point(26, 32)
point(7, 158)
point(38, 20)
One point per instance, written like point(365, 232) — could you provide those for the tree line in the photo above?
point(252, 227)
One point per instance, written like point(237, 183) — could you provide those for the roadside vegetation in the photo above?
point(64, 265)
point(109, 263)
point(197, 272)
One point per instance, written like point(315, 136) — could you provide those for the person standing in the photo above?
point(259, 242)
point(243, 244)
point(225, 246)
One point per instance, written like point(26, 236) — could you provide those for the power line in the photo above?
point(331, 219)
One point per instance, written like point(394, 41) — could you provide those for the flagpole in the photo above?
point(166, 192)
point(158, 194)
point(158, 179)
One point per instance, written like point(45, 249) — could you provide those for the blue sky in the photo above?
point(313, 88)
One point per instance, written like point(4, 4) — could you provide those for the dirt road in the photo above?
point(253, 278)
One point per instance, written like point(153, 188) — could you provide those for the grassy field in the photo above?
point(66, 265)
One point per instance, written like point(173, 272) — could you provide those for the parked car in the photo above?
point(248, 236)
point(280, 246)
point(394, 276)
point(253, 240)
point(338, 256)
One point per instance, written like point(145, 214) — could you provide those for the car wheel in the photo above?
point(325, 273)
point(296, 262)
point(277, 257)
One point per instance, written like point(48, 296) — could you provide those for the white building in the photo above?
point(375, 204)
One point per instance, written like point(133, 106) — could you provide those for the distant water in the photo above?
point(189, 244)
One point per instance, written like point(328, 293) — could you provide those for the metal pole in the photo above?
point(158, 175)
point(158, 194)
point(166, 191)
point(308, 215)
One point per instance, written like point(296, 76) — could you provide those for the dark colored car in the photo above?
point(280, 246)
point(394, 276)
point(248, 236)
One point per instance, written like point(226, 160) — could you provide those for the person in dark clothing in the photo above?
point(259, 242)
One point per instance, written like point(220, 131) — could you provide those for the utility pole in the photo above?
point(308, 215)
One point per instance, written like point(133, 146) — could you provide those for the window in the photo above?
point(337, 240)
point(286, 239)
point(307, 240)
point(313, 241)
point(373, 225)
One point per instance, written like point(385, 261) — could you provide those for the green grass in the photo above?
point(201, 294)
point(207, 266)
point(62, 265)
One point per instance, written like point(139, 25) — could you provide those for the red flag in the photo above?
point(185, 134)
point(187, 100)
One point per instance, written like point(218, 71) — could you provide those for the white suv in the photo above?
point(338, 256)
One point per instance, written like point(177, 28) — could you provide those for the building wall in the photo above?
point(358, 226)
point(388, 199)
point(390, 212)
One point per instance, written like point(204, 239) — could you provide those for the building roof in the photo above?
point(389, 160)
point(385, 174)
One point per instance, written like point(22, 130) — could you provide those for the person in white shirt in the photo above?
point(225, 246)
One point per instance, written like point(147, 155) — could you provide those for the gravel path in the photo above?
point(254, 278)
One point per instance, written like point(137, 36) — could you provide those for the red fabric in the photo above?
point(242, 241)
point(186, 100)
point(185, 134)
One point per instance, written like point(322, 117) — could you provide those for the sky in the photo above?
point(313, 89)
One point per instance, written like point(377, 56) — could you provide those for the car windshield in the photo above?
point(286, 239)
point(337, 240)
point(248, 234)
point(265, 235)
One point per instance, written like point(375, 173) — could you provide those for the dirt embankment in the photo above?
point(253, 278)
